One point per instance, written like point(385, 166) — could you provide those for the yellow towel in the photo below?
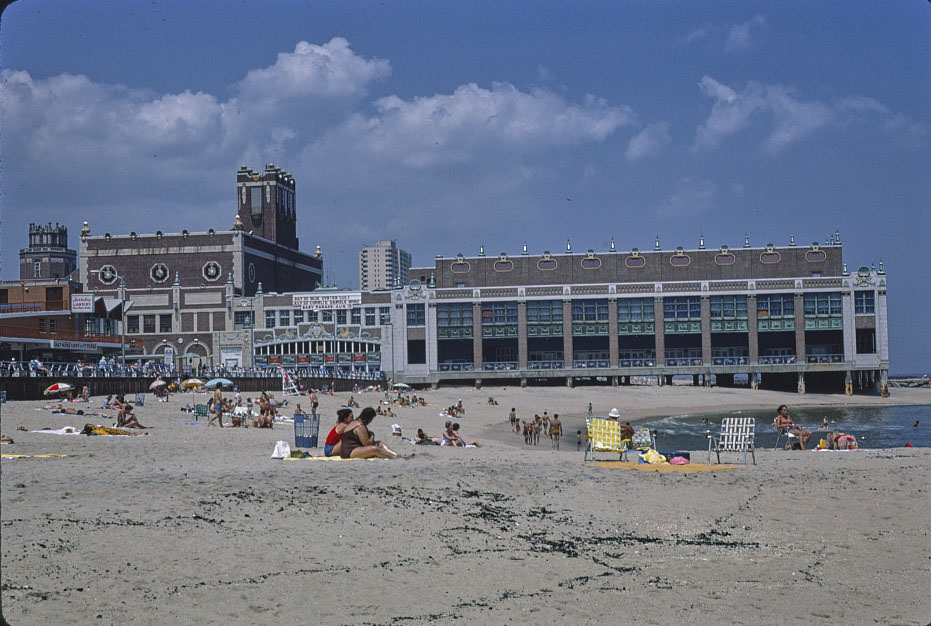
point(664, 468)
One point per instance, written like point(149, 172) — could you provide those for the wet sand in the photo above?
point(199, 525)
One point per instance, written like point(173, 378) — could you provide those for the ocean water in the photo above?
point(874, 427)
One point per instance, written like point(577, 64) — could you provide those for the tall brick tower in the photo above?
point(267, 205)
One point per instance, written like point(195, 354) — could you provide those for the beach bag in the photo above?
point(282, 450)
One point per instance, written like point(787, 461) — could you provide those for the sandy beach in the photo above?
point(196, 525)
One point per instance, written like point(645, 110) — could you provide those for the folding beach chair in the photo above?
point(791, 440)
point(643, 438)
point(736, 436)
point(200, 410)
point(604, 436)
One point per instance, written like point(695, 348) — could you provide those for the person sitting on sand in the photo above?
point(266, 419)
point(352, 403)
point(85, 394)
point(449, 436)
point(108, 403)
point(824, 425)
point(785, 422)
point(126, 418)
point(359, 443)
point(422, 439)
point(843, 441)
point(333, 443)
point(462, 442)
point(627, 431)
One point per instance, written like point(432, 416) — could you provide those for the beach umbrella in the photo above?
point(401, 386)
point(51, 390)
point(218, 382)
point(158, 382)
point(192, 383)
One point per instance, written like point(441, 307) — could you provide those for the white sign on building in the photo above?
point(82, 303)
point(324, 302)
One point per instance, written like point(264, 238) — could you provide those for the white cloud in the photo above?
point(332, 70)
point(792, 119)
point(743, 36)
point(473, 123)
point(692, 196)
point(698, 34)
point(469, 153)
point(648, 141)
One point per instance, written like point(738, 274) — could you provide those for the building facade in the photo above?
point(37, 321)
point(383, 266)
point(787, 314)
point(185, 288)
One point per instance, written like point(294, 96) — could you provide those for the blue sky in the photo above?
point(447, 125)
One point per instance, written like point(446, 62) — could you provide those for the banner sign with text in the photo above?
point(325, 302)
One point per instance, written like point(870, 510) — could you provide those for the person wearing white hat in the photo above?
point(614, 414)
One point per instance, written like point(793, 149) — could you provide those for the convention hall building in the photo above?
point(782, 316)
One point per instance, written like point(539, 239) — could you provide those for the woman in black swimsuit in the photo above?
point(359, 443)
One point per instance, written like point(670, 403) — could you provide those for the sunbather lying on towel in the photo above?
point(96, 429)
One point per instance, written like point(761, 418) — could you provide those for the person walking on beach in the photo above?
point(589, 409)
point(784, 421)
point(216, 407)
point(555, 431)
point(512, 417)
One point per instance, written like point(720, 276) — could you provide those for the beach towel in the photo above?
point(33, 456)
point(64, 430)
point(663, 468)
point(106, 431)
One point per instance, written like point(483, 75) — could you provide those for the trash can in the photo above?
point(306, 429)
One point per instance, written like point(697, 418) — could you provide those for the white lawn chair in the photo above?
point(737, 435)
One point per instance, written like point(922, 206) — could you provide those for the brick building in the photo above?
point(187, 287)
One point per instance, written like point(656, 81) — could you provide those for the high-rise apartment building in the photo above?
point(381, 265)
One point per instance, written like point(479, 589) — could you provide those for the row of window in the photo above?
point(371, 316)
point(641, 309)
point(148, 323)
point(541, 312)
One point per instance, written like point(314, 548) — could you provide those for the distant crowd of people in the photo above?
point(531, 429)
